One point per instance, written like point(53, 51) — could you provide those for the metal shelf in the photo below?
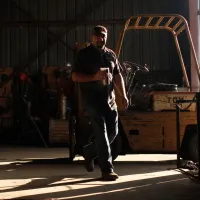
point(178, 113)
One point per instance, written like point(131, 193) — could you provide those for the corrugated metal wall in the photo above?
point(21, 45)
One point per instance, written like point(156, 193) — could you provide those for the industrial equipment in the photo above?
point(6, 102)
point(153, 128)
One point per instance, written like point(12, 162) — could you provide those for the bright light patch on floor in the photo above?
point(14, 162)
point(147, 157)
point(78, 186)
point(14, 183)
point(10, 170)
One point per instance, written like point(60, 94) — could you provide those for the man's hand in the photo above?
point(99, 76)
point(125, 102)
point(102, 75)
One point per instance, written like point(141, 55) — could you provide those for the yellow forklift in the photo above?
point(151, 130)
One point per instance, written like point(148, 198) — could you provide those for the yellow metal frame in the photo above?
point(176, 24)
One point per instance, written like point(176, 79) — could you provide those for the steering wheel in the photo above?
point(130, 70)
point(130, 66)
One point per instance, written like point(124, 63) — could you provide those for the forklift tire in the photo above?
point(193, 148)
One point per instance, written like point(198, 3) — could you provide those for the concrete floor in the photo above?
point(39, 173)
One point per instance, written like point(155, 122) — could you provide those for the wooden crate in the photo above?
point(167, 100)
point(58, 131)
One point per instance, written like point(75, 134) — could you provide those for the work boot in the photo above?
point(89, 164)
point(89, 157)
point(109, 176)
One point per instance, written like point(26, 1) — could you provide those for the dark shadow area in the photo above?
point(38, 164)
point(45, 182)
point(169, 187)
point(43, 172)
point(134, 182)
point(59, 178)
point(69, 161)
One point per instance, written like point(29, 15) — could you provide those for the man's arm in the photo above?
point(119, 84)
point(120, 87)
point(81, 77)
point(78, 74)
point(78, 71)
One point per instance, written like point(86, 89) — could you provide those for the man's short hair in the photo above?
point(99, 30)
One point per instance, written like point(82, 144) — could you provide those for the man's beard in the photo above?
point(100, 45)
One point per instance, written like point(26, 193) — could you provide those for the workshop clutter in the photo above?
point(35, 107)
point(6, 100)
point(57, 81)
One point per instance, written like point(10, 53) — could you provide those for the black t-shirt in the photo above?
point(89, 61)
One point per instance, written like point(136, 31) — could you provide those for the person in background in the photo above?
point(98, 71)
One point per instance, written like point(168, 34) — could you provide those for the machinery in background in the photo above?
point(58, 84)
point(54, 103)
point(6, 103)
point(42, 106)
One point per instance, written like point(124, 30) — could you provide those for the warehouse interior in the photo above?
point(43, 125)
point(38, 36)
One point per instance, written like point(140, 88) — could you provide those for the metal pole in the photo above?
point(59, 23)
point(198, 127)
point(178, 134)
point(194, 34)
point(182, 62)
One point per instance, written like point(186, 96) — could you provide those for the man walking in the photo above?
point(98, 71)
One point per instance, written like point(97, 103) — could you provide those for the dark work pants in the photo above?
point(105, 129)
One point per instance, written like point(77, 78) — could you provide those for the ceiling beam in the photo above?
point(82, 17)
point(59, 23)
point(33, 20)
